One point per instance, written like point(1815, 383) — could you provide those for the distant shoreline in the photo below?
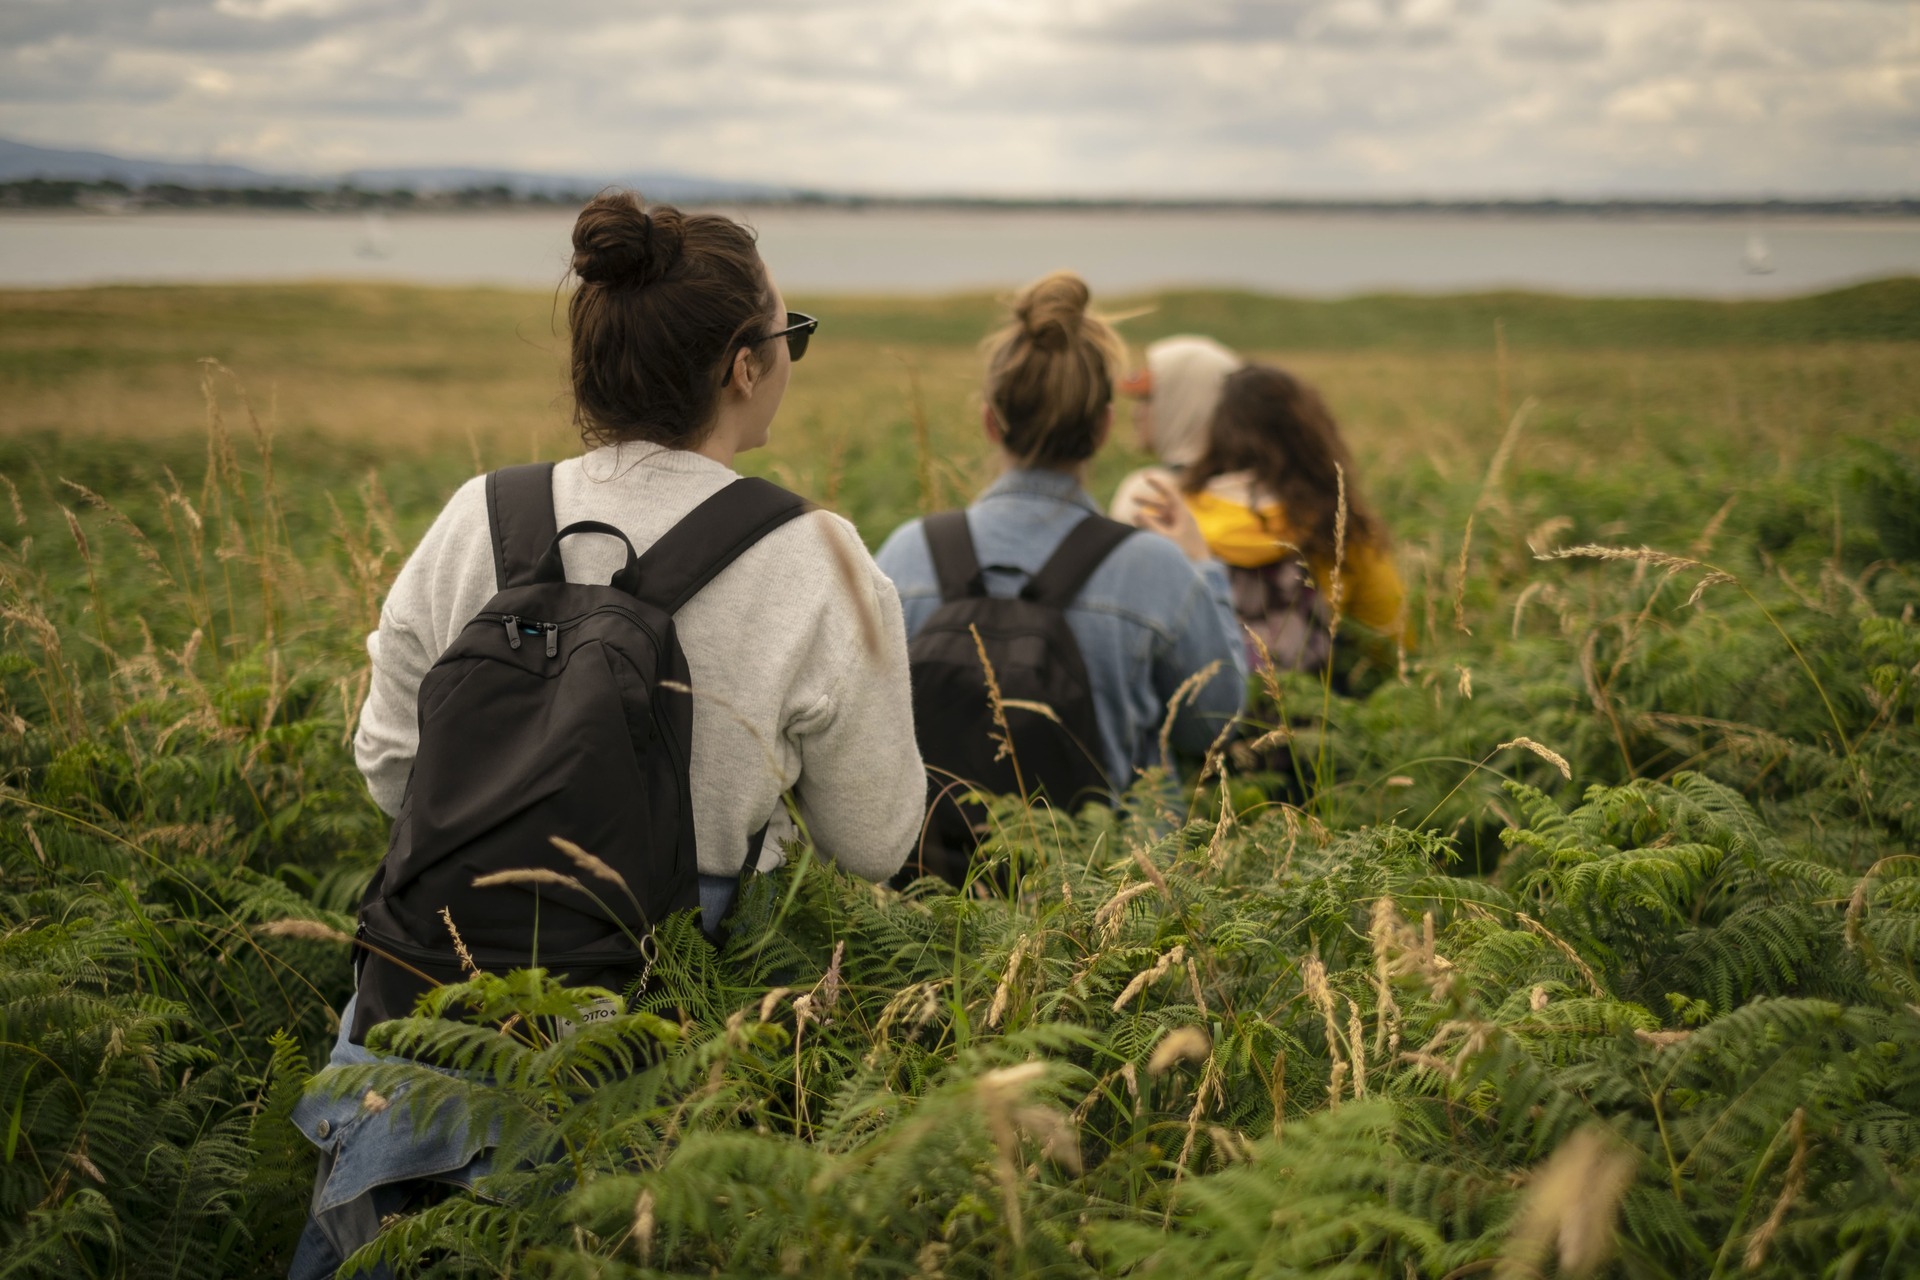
point(942, 249)
point(49, 196)
point(1903, 211)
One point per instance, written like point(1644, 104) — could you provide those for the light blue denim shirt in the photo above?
point(1146, 620)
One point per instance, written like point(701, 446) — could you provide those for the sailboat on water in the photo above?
point(1758, 259)
point(376, 238)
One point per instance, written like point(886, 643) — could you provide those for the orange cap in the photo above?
point(1138, 385)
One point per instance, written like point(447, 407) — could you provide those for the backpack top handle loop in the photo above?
point(549, 569)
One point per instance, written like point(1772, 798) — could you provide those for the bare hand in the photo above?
point(1163, 511)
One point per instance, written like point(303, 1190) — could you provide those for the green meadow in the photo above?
point(1578, 939)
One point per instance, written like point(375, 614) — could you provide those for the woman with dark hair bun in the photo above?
point(682, 348)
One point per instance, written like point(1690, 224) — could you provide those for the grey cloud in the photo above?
point(1134, 94)
point(1355, 24)
point(1151, 22)
point(1554, 42)
point(195, 26)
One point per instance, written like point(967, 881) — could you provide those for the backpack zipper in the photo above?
point(514, 625)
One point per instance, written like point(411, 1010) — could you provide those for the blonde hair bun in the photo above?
point(1050, 373)
point(1052, 309)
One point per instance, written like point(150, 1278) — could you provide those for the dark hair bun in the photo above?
point(619, 244)
point(1051, 310)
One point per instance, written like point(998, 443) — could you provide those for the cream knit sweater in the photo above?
point(797, 652)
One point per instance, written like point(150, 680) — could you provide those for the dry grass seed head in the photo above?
point(529, 876)
point(1151, 872)
point(1704, 543)
point(1714, 579)
point(1356, 1037)
point(997, 704)
point(1055, 1134)
point(1564, 948)
point(1107, 918)
point(1003, 994)
point(309, 930)
point(643, 1226)
point(1570, 1209)
point(13, 497)
point(141, 545)
point(1268, 740)
point(1184, 692)
point(79, 535)
point(830, 985)
point(1796, 1181)
point(1000, 1091)
point(1544, 533)
point(1551, 756)
point(1182, 1044)
point(1223, 825)
point(467, 964)
point(1460, 583)
point(587, 862)
point(1150, 975)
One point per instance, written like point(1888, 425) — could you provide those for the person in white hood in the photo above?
point(1174, 399)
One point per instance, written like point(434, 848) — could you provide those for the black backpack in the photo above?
point(1036, 662)
point(553, 713)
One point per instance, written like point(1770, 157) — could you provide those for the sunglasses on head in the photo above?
point(799, 331)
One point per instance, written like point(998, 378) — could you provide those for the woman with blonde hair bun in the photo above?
point(1089, 631)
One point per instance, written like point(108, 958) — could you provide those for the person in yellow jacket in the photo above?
point(1265, 487)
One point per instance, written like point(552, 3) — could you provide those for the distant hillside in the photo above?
point(23, 162)
point(20, 161)
point(173, 184)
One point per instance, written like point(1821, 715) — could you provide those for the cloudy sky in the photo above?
point(1168, 97)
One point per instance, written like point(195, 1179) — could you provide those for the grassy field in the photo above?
point(1639, 998)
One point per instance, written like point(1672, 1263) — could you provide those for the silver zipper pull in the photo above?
point(513, 631)
point(553, 639)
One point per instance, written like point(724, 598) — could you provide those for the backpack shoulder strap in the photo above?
point(954, 561)
point(712, 536)
point(520, 516)
point(1086, 545)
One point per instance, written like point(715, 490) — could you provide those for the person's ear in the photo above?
point(743, 372)
point(990, 423)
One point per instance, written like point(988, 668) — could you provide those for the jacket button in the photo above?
point(324, 1128)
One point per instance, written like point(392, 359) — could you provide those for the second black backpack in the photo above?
point(1045, 693)
point(561, 709)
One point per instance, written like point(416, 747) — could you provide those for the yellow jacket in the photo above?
point(1370, 589)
